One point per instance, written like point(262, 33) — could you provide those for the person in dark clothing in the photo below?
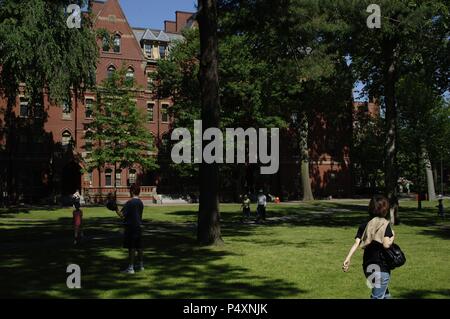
point(131, 214)
point(374, 237)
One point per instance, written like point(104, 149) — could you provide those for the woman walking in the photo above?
point(375, 237)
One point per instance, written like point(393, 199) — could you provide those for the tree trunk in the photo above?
point(10, 145)
point(208, 231)
point(418, 181)
point(391, 174)
point(304, 158)
point(430, 179)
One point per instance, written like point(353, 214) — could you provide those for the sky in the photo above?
point(153, 13)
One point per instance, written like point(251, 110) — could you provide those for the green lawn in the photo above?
point(297, 254)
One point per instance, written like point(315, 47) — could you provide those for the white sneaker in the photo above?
point(129, 271)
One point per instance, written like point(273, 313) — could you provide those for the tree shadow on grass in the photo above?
point(424, 294)
point(439, 232)
point(176, 266)
point(11, 211)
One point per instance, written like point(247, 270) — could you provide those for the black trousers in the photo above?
point(261, 212)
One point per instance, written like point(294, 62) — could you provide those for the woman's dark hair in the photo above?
point(379, 206)
point(135, 190)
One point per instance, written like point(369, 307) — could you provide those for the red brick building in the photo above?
point(54, 161)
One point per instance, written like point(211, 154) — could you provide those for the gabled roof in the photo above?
point(155, 35)
point(163, 37)
point(149, 35)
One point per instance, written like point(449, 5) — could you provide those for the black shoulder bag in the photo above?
point(393, 257)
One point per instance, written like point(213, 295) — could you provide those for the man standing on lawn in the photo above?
point(262, 204)
point(132, 216)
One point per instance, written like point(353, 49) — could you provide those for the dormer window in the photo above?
point(162, 51)
point(148, 49)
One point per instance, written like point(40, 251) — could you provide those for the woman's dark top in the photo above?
point(373, 251)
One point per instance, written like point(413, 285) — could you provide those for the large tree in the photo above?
point(40, 54)
point(208, 229)
point(118, 132)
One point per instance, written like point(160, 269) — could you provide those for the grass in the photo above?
point(297, 254)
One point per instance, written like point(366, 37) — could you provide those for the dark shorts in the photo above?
point(132, 237)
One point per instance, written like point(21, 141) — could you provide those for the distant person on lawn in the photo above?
point(77, 223)
point(131, 213)
point(374, 237)
point(262, 204)
point(76, 198)
point(246, 207)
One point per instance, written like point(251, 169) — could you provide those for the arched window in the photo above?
point(111, 71)
point(108, 177)
point(105, 44)
point(129, 76)
point(117, 42)
point(66, 138)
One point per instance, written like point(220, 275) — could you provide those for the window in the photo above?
point(66, 109)
point(88, 141)
point(129, 77)
point(117, 40)
point(66, 138)
point(24, 112)
point(38, 110)
point(111, 71)
point(165, 113)
point(132, 177)
point(162, 51)
point(108, 177)
point(118, 178)
point(89, 108)
point(88, 177)
point(149, 81)
point(105, 44)
point(148, 49)
point(150, 112)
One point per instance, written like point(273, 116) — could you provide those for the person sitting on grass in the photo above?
point(246, 207)
point(131, 214)
point(77, 222)
point(374, 237)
